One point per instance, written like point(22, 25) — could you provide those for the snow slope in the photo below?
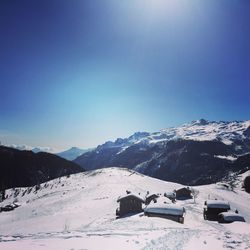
point(78, 212)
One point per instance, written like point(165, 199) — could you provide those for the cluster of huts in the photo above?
point(132, 203)
point(157, 206)
point(219, 210)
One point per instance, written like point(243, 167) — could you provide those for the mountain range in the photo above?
point(195, 153)
point(69, 154)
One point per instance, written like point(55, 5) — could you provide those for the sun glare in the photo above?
point(158, 9)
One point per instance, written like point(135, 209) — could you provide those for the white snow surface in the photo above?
point(78, 213)
point(218, 204)
point(226, 157)
point(130, 196)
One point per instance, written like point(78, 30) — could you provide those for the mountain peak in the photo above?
point(72, 153)
point(201, 122)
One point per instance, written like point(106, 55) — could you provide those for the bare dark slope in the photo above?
point(25, 168)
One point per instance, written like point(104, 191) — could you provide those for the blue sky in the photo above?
point(78, 73)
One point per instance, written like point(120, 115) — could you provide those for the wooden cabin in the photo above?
point(167, 211)
point(212, 209)
point(129, 203)
point(183, 193)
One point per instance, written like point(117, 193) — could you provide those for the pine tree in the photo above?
point(2, 192)
point(246, 184)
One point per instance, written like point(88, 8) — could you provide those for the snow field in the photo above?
point(78, 212)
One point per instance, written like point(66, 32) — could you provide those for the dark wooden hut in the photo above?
point(212, 209)
point(183, 193)
point(129, 203)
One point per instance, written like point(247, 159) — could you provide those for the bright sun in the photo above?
point(158, 8)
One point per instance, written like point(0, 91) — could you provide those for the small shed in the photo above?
point(167, 211)
point(171, 196)
point(152, 197)
point(129, 203)
point(229, 217)
point(183, 193)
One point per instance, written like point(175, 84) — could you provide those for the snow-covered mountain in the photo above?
point(194, 153)
point(200, 130)
point(72, 153)
point(78, 212)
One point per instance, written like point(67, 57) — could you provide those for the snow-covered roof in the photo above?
point(183, 188)
point(161, 201)
point(217, 204)
point(165, 209)
point(130, 196)
point(230, 216)
point(152, 196)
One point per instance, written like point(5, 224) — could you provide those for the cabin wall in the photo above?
point(212, 213)
point(183, 193)
point(176, 218)
point(130, 206)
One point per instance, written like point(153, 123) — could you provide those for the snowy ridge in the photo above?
point(200, 130)
point(170, 154)
point(78, 212)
